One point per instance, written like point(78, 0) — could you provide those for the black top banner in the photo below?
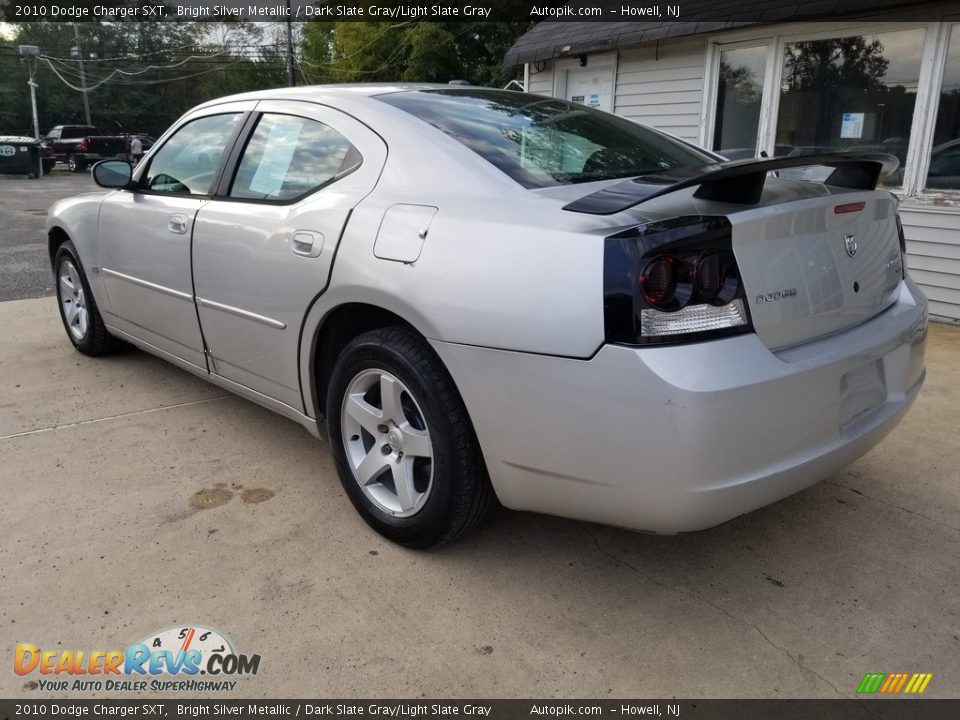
point(729, 12)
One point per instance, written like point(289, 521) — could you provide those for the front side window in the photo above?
point(188, 161)
point(739, 95)
point(944, 172)
point(289, 156)
point(850, 94)
point(541, 142)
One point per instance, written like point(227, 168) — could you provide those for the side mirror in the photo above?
point(116, 174)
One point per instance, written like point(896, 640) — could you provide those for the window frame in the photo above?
point(238, 131)
point(221, 189)
point(712, 90)
point(932, 64)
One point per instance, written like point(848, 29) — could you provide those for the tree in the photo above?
point(141, 76)
point(836, 63)
point(411, 52)
point(818, 72)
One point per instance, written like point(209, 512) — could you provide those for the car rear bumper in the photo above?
point(682, 438)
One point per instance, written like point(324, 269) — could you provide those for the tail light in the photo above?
point(901, 236)
point(83, 146)
point(673, 281)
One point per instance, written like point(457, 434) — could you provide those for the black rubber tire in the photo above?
point(76, 164)
point(97, 340)
point(462, 497)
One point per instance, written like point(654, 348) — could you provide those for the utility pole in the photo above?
point(83, 76)
point(290, 80)
point(29, 55)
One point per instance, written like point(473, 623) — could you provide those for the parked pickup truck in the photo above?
point(81, 145)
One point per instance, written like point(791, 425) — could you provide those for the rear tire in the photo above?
point(76, 164)
point(404, 446)
point(78, 310)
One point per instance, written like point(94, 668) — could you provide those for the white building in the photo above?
point(887, 81)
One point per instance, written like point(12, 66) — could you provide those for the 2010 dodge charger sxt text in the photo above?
point(493, 295)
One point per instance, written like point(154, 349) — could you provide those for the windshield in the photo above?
point(540, 141)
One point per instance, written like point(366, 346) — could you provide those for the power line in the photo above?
point(116, 71)
point(128, 83)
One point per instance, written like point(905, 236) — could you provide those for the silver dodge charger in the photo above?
point(482, 295)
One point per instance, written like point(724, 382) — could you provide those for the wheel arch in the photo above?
point(56, 236)
point(338, 326)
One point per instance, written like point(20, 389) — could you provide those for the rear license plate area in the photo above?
point(861, 391)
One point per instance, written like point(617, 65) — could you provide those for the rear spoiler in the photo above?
point(737, 181)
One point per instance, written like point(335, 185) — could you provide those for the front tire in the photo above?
point(78, 310)
point(403, 443)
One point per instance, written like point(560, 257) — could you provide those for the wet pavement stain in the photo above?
point(210, 498)
point(256, 495)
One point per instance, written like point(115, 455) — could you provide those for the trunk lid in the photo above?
point(816, 266)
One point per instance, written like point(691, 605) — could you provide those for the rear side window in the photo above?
point(188, 161)
point(77, 131)
point(288, 157)
point(540, 141)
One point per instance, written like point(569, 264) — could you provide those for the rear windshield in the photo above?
point(541, 142)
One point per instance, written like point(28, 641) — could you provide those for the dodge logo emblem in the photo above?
point(850, 243)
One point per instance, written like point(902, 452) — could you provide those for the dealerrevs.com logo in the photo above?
point(173, 659)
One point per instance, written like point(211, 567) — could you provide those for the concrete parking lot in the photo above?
point(136, 497)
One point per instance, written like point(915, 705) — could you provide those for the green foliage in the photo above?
point(847, 62)
point(217, 59)
point(410, 52)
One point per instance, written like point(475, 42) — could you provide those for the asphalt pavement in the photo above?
point(24, 265)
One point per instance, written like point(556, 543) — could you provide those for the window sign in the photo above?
point(852, 126)
point(272, 170)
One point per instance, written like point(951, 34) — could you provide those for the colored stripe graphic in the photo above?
point(893, 683)
point(871, 682)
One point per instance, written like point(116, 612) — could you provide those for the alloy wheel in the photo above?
point(72, 301)
point(387, 442)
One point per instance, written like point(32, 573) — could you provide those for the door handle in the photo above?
point(307, 243)
point(177, 224)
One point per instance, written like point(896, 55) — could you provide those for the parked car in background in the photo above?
point(944, 170)
point(479, 293)
point(79, 146)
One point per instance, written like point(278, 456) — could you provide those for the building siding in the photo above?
point(662, 86)
point(933, 257)
point(657, 86)
point(541, 83)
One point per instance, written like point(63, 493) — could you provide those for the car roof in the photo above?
point(345, 90)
